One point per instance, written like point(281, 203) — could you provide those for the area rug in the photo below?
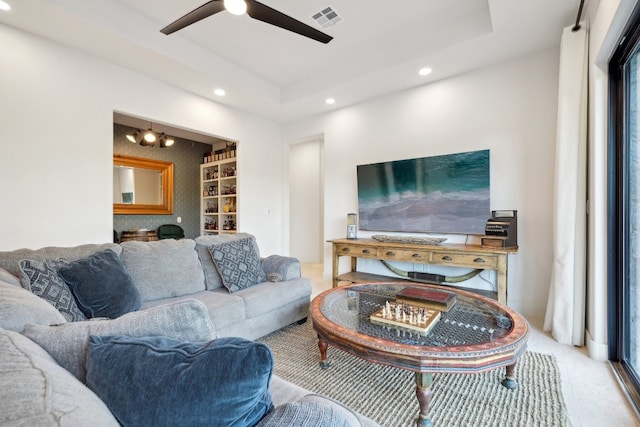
point(387, 395)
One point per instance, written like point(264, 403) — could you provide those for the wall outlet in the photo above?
point(179, 219)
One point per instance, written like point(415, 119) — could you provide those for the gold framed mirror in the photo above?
point(142, 186)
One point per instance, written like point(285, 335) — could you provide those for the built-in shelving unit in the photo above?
point(218, 202)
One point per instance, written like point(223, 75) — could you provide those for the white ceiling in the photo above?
point(377, 48)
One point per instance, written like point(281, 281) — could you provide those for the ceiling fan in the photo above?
point(254, 9)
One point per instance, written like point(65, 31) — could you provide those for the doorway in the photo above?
point(306, 207)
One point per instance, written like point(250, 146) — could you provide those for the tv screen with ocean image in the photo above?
point(438, 194)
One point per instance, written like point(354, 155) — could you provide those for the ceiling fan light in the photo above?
point(149, 136)
point(236, 7)
point(166, 141)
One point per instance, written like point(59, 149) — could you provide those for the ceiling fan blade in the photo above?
point(271, 16)
point(204, 11)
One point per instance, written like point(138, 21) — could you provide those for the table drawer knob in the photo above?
point(365, 251)
point(345, 249)
point(416, 256)
point(446, 258)
point(390, 253)
point(479, 260)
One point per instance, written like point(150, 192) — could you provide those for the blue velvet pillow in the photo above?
point(152, 381)
point(101, 285)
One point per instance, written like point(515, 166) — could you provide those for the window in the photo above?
point(624, 210)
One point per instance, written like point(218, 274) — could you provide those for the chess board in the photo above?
point(407, 318)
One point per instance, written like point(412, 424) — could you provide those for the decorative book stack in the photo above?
point(427, 298)
point(501, 230)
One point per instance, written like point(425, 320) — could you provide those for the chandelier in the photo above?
point(148, 138)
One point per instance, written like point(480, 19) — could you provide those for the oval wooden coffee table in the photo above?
point(476, 334)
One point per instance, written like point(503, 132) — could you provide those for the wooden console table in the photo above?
point(451, 254)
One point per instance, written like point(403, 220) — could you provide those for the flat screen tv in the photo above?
point(437, 194)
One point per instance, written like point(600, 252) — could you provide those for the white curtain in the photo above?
point(565, 317)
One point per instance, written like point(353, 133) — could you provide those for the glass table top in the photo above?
point(470, 321)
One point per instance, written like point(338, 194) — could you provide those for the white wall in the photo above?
point(56, 145)
point(509, 108)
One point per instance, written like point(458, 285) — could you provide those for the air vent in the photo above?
point(327, 17)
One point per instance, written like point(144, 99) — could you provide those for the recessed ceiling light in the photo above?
point(330, 101)
point(4, 5)
point(220, 92)
point(425, 71)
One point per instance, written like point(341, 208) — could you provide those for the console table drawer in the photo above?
point(357, 251)
point(403, 255)
point(466, 260)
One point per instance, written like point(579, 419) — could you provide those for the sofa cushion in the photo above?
point(35, 391)
point(278, 268)
point(238, 263)
point(163, 268)
point(45, 282)
point(211, 275)
point(224, 308)
point(150, 381)
point(19, 307)
point(67, 343)
point(10, 260)
point(269, 296)
point(101, 285)
point(304, 414)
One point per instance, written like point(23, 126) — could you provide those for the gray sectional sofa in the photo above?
point(174, 270)
point(192, 291)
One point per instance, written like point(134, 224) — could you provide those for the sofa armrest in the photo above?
point(186, 320)
point(280, 268)
point(283, 392)
point(8, 277)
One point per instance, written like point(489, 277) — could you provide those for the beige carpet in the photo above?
point(387, 394)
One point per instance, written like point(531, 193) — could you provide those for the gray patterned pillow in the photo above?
point(44, 281)
point(238, 264)
point(212, 278)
